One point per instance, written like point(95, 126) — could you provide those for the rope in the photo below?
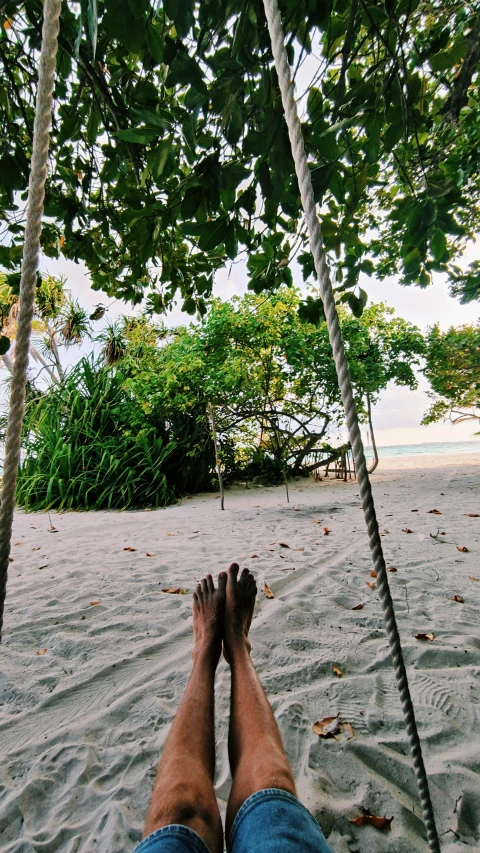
point(31, 251)
point(316, 245)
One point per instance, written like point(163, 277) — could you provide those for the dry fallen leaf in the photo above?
point(393, 569)
point(422, 636)
point(175, 590)
point(371, 585)
point(327, 727)
point(326, 531)
point(254, 557)
point(470, 577)
point(300, 549)
point(11, 560)
point(435, 511)
point(457, 598)
point(296, 509)
point(414, 510)
point(267, 591)
point(36, 549)
point(93, 603)
point(150, 554)
point(373, 573)
point(43, 567)
point(129, 549)
point(52, 529)
point(283, 545)
point(372, 820)
point(406, 530)
point(337, 671)
point(41, 652)
point(463, 549)
point(358, 607)
point(348, 728)
point(17, 543)
point(472, 515)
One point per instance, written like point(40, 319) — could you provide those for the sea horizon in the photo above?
point(426, 448)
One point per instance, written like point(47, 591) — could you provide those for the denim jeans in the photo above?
point(270, 821)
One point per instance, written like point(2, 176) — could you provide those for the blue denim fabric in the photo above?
point(270, 821)
point(273, 821)
point(174, 838)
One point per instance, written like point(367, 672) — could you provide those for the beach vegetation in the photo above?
point(452, 368)
point(266, 373)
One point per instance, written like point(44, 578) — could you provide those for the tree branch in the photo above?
point(459, 95)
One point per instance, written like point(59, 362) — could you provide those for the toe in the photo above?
point(233, 571)
point(198, 592)
point(204, 586)
point(222, 581)
point(244, 577)
point(210, 584)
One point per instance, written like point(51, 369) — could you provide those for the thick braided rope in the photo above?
point(31, 250)
point(316, 244)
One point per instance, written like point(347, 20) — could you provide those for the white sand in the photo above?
point(82, 726)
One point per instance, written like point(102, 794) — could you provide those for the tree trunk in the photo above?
point(374, 446)
point(217, 459)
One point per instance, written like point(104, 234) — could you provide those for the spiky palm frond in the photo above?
point(114, 344)
point(73, 323)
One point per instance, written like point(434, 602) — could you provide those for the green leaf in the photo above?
point(154, 44)
point(4, 344)
point(185, 71)
point(181, 12)
point(10, 174)
point(438, 245)
point(355, 304)
point(138, 8)
point(158, 157)
point(314, 104)
point(213, 234)
point(311, 311)
point(139, 135)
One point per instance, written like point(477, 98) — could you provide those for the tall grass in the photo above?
point(88, 444)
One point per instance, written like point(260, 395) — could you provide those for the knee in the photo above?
point(280, 778)
point(184, 804)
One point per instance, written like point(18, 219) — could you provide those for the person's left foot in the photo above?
point(209, 617)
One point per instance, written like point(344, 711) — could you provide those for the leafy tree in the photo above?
point(170, 155)
point(58, 320)
point(453, 370)
point(269, 375)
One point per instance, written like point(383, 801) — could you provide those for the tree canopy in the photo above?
point(453, 370)
point(170, 156)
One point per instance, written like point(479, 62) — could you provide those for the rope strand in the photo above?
point(316, 245)
point(31, 251)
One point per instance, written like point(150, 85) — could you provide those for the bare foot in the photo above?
point(209, 617)
point(241, 592)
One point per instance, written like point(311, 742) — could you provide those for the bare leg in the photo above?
point(257, 757)
point(183, 791)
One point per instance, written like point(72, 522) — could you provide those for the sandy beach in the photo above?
point(95, 656)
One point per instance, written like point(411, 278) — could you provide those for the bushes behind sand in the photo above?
point(90, 444)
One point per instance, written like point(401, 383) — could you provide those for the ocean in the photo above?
point(438, 448)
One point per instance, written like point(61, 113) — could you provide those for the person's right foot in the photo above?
point(239, 605)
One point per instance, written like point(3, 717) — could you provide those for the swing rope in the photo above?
point(31, 251)
point(316, 246)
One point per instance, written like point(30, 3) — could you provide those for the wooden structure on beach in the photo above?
point(338, 461)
